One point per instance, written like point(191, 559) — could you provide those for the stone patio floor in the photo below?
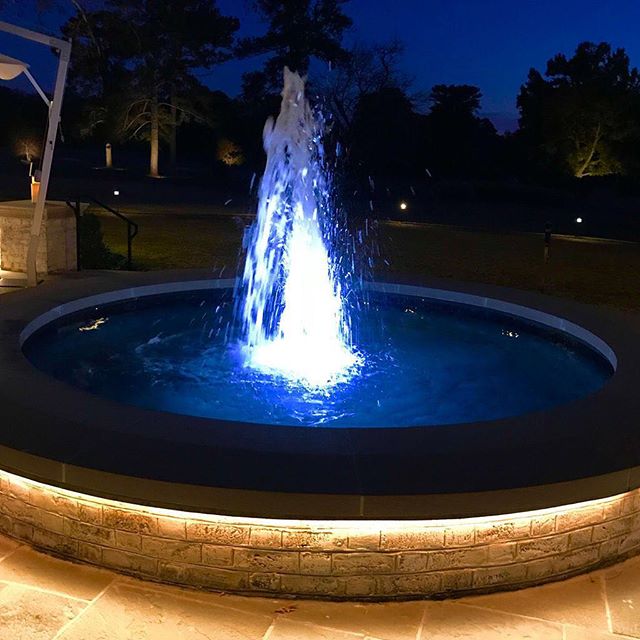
point(45, 598)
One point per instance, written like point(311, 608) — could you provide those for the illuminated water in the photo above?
point(293, 320)
point(424, 363)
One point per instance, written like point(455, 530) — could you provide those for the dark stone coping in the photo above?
point(60, 435)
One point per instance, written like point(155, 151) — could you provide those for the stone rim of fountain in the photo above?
point(586, 426)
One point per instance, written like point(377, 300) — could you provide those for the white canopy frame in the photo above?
point(55, 108)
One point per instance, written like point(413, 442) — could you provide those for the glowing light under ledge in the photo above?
point(325, 525)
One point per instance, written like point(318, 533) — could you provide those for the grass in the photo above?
point(601, 273)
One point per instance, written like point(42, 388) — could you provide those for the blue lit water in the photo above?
point(425, 363)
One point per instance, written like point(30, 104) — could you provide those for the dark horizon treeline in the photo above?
point(134, 81)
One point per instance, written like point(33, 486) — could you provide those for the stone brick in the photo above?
point(19, 510)
point(580, 538)
point(506, 575)
point(358, 586)
point(317, 564)
point(55, 503)
point(538, 547)
point(504, 531)
point(612, 510)
point(178, 550)
point(457, 558)
point(130, 562)
point(22, 530)
point(362, 563)
point(14, 488)
point(420, 539)
point(89, 532)
point(89, 552)
point(262, 538)
point(217, 533)
point(55, 542)
point(321, 540)
point(459, 536)
point(412, 561)
point(543, 525)
point(365, 541)
point(49, 521)
point(540, 569)
point(130, 521)
point(579, 518)
point(262, 560)
point(415, 584)
point(611, 529)
point(502, 553)
point(128, 541)
point(575, 560)
point(311, 585)
point(609, 549)
point(630, 541)
point(264, 582)
point(6, 524)
point(628, 505)
point(173, 528)
point(457, 580)
point(89, 513)
point(216, 556)
point(207, 577)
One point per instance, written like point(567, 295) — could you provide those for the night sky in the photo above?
point(489, 43)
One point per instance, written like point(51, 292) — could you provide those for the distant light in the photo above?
point(579, 220)
point(403, 205)
point(116, 192)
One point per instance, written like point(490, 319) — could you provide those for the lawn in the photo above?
point(602, 273)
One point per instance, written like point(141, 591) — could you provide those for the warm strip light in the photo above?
point(307, 523)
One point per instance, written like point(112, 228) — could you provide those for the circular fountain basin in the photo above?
point(400, 498)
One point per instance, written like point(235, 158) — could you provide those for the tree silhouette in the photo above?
point(142, 54)
point(584, 113)
point(457, 140)
point(298, 31)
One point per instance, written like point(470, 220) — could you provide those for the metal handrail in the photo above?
point(132, 227)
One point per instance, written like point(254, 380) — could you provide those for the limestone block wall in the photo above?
point(57, 247)
point(342, 560)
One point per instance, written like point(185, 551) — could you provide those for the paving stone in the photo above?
point(445, 621)
point(580, 633)
point(127, 611)
point(286, 630)
point(35, 569)
point(26, 614)
point(7, 546)
point(622, 585)
point(579, 601)
point(386, 621)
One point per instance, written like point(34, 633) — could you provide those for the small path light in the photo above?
point(116, 192)
point(403, 206)
point(579, 220)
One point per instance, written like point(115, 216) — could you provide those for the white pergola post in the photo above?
point(55, 108)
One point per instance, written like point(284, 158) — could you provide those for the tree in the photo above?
point(383, 135)
point(457, 140)
point(298, 31)
point(365, 70)
point(144, 53)
point(583, 115)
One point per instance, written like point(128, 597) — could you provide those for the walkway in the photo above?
point(43, 598)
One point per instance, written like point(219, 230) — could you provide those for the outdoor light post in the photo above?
point(55, 108)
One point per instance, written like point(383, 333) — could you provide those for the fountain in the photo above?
point(293, 317)
point(252, 447)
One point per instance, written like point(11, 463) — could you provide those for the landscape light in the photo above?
point(116, 192)
point(579, 220)
point(403, 205)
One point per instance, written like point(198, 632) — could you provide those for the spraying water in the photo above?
point(292, 311)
